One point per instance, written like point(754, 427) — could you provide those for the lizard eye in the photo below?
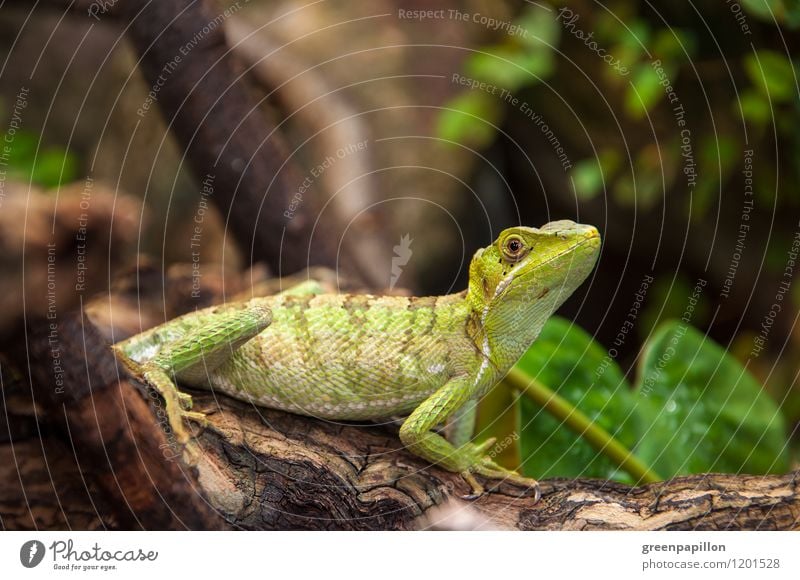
point(513, 248)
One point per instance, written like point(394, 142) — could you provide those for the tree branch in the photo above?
point(114, 438)
point(266, 469)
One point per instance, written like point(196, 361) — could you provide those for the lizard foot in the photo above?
point(176, 415)
point(483, 465)
point(177, 406)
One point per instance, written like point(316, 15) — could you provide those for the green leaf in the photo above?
point(645, 90)
point(23, 150)
point(470, 119)
point(54, 167)
point(641, 190)
point(790, 16)
point(783, 11)
point(764, 9)
point(510, 67)
point(772, 74)
point(49, 167)
point(634, 35)
point(667, 300)
point(673, 44)
point(541, 29)
point(705, 411)
point(627, 42)
point(588, 178)
point(589, 175)
point(719, 151)
point(569, 361)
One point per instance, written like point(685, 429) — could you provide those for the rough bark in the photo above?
point(76, 394)
point(266, 469)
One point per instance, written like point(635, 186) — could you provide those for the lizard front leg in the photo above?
point(193, 356)
point(468, 459)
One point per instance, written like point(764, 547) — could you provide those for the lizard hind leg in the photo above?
point(191, 357)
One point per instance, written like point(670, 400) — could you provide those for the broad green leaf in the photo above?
point(570, 362)
point(48, 167)
point(641, 190)
point(637, 32)
point(720, 152)
point(22, 150)
point(705, 411)
point(628, 41)
point(631, 33)
point(772, 73)
point(790, 16)
point(764, 9)
point(667, 299)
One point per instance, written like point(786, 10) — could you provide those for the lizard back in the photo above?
point(346, 356)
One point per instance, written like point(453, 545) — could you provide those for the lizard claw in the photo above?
point(177, 404)
point(477, 489)
point(481, 464)
point(185, 400)
point(175, 419)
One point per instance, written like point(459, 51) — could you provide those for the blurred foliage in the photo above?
point(693, 408)
point(520, 60)
point(767, 94)
point(518, 63)
point(31, 162)
point(785, 12)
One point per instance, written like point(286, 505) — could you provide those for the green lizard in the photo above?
point(351, 357)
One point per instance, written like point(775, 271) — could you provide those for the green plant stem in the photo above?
point(596, 436)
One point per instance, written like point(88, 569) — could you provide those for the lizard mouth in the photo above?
point(592, 240)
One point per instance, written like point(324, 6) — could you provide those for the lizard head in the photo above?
point(519, 280)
